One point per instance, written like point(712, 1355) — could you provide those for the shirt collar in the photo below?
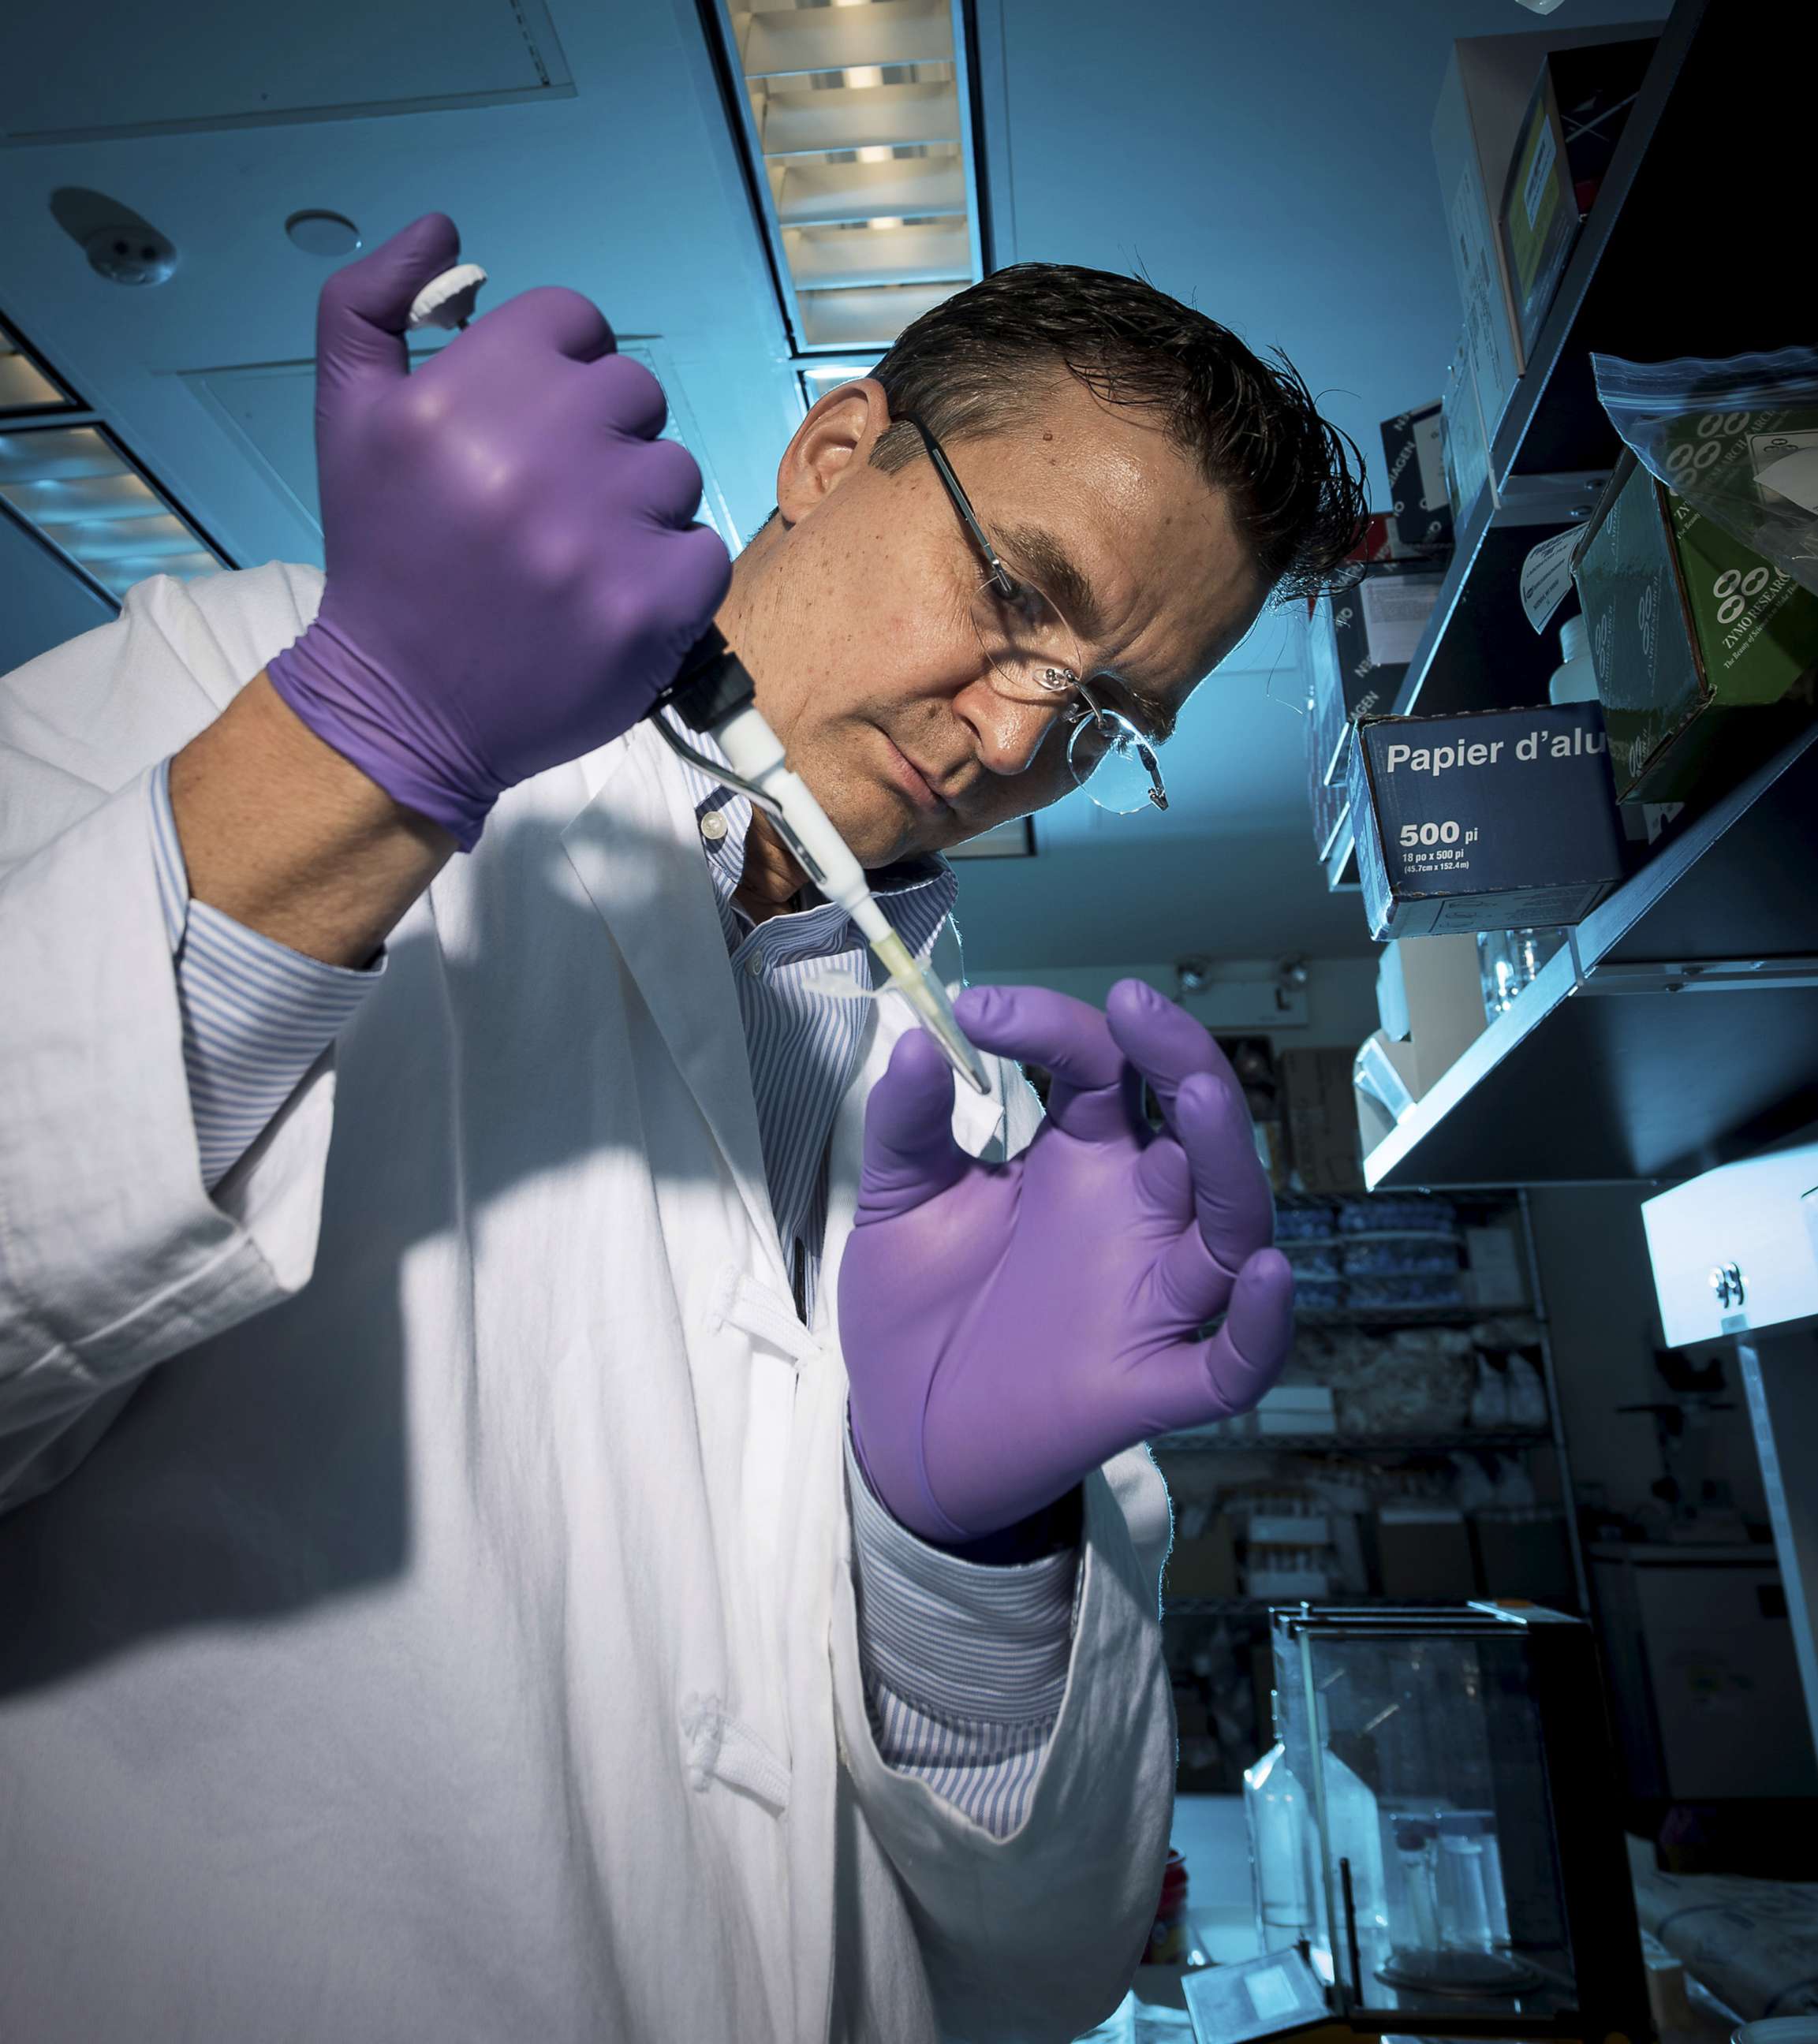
point(917, 895)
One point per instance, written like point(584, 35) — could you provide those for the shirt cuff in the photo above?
point(256, 1015)
point(957, 1638)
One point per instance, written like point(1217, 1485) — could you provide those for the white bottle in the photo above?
point(1575, 678)
point(1275, 1810)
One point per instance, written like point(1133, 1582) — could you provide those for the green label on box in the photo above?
point(1756, 628)
point(1685, 620)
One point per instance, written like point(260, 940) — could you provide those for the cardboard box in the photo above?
point(1204, 1565)
point(1491, 820)
point(1422, 512)
point(1423, 1552)
point(1321, 1121)
point(1574, 119)
point(1359, 646)
point(1696, 639)
point(1442, 989)
point(1430, 996)
point(1488, 85)
point(1464, 445)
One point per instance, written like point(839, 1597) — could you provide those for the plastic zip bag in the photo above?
point(1738, 439)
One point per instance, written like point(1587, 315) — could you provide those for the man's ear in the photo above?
point(834, 441)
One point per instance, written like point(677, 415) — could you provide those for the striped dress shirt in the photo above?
point(965, 1663)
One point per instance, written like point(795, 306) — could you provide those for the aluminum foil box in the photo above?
point(1492, 819)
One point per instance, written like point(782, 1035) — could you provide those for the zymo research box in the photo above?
point(1703, 651)
point(1490, 820)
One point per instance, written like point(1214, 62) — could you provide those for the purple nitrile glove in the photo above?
point(1008, 1327)
point(512, 575)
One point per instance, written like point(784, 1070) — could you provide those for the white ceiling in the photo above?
point(1268, 162)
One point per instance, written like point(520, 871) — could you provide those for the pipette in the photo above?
point(713, 694)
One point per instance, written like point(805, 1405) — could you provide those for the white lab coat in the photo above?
point(460, 1643)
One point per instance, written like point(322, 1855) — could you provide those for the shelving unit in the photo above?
point(1712, 1048)
point(1676, 1029)
point(1216, 1644)
point(1395, 1317)
point(1482, 1438)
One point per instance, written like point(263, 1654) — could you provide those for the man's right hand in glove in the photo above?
point(511, 578)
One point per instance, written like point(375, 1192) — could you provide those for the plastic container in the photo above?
point(1414, 1848)
point(1509, 960)
point(1575, 678)
point(1168, 1938)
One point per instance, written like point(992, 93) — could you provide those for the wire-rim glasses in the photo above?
point(1035, 656)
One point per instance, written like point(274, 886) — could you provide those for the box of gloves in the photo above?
point(1490, 820)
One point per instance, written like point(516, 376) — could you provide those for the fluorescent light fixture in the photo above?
point(74, 488)
point(855, 120)
point(818, 378)
point(25, 386)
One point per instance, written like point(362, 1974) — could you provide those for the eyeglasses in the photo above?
point(1034, 656)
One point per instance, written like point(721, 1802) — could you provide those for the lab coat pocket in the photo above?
point(780, 1346)
point(718, 1747)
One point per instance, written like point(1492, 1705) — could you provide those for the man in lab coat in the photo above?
point(562, 1485)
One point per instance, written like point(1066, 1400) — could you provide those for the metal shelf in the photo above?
point(1677, 1029)
point(1622, 294)
point(1342, 876)
point(1505, 1437)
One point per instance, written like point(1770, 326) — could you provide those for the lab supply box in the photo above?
point(1574, 119)
point(1411, 448)
point(1490, 819)
point(1361, 641)
point(1435, 1004)
point(1704, 653)
point(1464, 1867)
point(1487, 85)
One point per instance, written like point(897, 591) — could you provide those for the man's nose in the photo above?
point(1010, 733)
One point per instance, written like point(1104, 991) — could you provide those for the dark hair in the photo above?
point(978, 362)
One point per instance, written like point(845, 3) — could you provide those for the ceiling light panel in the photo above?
point(856, 121)
point(74, 488)
point(25, 387)
point(818, 378)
